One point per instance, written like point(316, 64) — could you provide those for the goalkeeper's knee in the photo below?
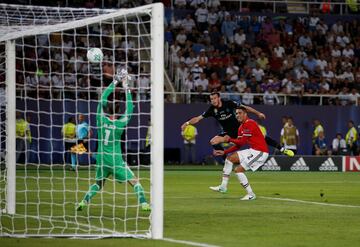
point(100, 183)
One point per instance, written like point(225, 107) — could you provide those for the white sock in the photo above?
point(225, 181)
point(228, 166)
point(244, 182)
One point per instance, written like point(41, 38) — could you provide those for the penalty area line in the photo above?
point(188, 242)
point(310, 202)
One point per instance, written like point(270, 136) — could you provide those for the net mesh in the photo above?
point(55, 82)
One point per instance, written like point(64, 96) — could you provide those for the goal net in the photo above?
point(49, 95)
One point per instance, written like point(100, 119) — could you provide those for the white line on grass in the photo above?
point(112, 233)
point(310, 202)
point(188, 242)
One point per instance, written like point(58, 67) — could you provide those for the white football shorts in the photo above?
point(252, 159)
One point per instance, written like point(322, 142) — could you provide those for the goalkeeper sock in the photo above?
point(92, 192)
point(244, 182)
point(73, 161)
point(139, 191)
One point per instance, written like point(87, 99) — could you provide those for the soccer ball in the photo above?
point(95, 55)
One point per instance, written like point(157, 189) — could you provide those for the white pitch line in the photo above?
point(310, 202)
point(188, 242)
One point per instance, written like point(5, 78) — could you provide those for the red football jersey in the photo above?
point(249, 133)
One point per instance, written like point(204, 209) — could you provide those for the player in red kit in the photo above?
point(247, 159)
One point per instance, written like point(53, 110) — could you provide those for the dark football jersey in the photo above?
point(225, 115)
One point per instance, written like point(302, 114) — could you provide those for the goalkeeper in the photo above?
point(109, 158)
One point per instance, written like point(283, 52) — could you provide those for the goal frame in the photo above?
point(156, 106)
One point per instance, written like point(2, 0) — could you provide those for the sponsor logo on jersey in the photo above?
point(300, 165)
point(328, 165)
point(271, 165)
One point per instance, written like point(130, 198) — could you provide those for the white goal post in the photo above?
point(146, 28)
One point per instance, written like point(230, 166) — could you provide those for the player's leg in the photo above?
point(240, 172)
point(101, 174)
point(228, 167)
point(271, 142)
point(248, 159)
point(73, 161)
point(124, 173)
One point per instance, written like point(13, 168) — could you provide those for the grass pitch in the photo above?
point(194, 213)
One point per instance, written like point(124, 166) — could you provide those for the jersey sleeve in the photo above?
point(124, 120)
point(104, 100)
point(208, 113)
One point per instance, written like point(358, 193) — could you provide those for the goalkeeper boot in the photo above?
point(218, 189)
point(82, 205)
point(249, 197)
point(288, 152)
point(145, 206)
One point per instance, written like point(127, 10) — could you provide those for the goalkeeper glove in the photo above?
point(122, 76)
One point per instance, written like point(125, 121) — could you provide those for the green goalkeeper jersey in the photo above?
point(110, 131)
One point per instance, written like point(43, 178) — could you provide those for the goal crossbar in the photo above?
point(36, 30)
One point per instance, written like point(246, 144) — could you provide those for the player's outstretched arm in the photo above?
point(104, 98)
point(123, 77)
point(257, 113)
point(192, 121)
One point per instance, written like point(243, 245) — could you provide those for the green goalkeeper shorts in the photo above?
point(120, 173)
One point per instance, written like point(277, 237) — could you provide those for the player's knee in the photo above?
point(233, 158)
point(239, 169)
point(100, 183)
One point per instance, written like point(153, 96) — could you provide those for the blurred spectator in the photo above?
point(328, 74)
point(339, 145)
point(213, 4)
point(263, 61)
point(289, 136)
point(23, 137)
point(305, 40)
point(213, 17)
point(248, 97)
point(196, 70)
point(317, 129)
point(270, 97)
point(180, 4)
point(188, 24)
point(189, 135)
point(240, 37)
point(354, 96)
point(202, 17)
point(69, 136)
point(144, 86)
point(351, 139)
point(202, 81)
point(321, 145)
point(301, 73)
point(181, 38)
point(214, 83)
point(344, 96)
point(241, 84)
point(227, 29)
point(337, 27)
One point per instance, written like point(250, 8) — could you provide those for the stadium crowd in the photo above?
point(215, 49)
point(210, 48)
